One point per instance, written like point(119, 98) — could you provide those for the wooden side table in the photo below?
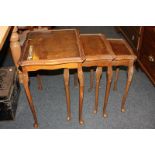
point(98, 53)
point(50, 50)
point(124, 57)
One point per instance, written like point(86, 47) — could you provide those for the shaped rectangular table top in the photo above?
point(52, 47)
point(96, 47)
point(121, 49)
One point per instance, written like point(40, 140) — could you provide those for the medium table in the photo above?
point(51, 50)
point(98, 53)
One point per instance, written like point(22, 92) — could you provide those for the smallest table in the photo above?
point(124, 57)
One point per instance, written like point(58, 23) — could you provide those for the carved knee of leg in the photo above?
point(97, 79)
point(109, 77)
point(66, 77)
point(130, 74)
point(25, 77)
point(109, 74)
point(98, 74)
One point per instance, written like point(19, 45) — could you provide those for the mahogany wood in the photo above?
point(124, 57)
point(116, 78)
point(147, 54)
point(91, 80)
point(29, 96)
point(108, 84)
point(98, 78)
point(98, 52)
point(23, 32)
point(75, 80)
point(81, 92)
point(50, 50)
point(66, 81)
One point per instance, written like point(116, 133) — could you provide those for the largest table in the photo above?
point(51, 50)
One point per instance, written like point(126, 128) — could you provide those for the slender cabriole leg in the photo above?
point(128, 83)
point(66, 81)
point(116, 79)
point(40, 86)
point(29, 97)
point(108, 85)
point(81, 94)
point(91, 79)
point(98, 78)
point(75, 80)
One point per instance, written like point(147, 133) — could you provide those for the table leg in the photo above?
point(116, 79)
point(29, 97)
point(75, 80)
point(98, 78)
point(81, 94)
point(128, 83)
point(40, 86)
point(66, 81)
point(108, 85)
point(91, 79)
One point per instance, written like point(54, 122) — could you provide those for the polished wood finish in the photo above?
point(128, 83)
point(121, 49)
point(108, 85)
point(98, 78)
point(23, 32)
point(81, 92)
point(116, 79)
point(91, 80)
point(50, 50)
point(75, 80)
point(29, 96)
point(96, 47)
point(124, 57)
point(147, 52)
point(66, 81)
point(98, 52)
point(16, 45)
